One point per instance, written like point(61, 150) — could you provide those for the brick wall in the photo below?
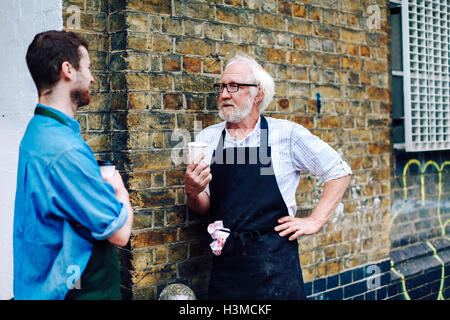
point(155, 62)
point(92, 19)
point(89, 18)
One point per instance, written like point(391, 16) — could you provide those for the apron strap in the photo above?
point(47, 113)
point(264, 136)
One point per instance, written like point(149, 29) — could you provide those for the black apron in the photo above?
point(256, 263)
point(101, 278)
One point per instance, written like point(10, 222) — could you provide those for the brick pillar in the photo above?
point(167, 87)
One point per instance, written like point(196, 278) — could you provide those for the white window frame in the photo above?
point(426, 93)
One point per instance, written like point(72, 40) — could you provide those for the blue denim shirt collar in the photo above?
point(71, 122)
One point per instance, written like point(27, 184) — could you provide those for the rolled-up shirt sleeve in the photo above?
point(82, 196)
point(310, 153)
point(114, 226)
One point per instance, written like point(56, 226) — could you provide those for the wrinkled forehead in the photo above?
point(236, 72)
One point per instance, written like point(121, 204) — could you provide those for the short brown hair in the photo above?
point(48, 51)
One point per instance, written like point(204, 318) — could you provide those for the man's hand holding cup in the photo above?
point(113, 177)
point(198, 172)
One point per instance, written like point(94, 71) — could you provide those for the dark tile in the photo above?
point(319, 285)
point(414, 282)
point(435, 286)
point(336, 294)
point(358, 273)
point(394, 289)
point(420, 293)
point(308, 288)
point(346, 278)
point(385, 279)
point(332, 282)
point(446, 292)
point(385, 266)
point(371, 295)
point(397, 297)
point(430, 297)
point(433, 274)
point(382, 293)
point(355, 289)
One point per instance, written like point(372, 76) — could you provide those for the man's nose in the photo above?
point(224, 95)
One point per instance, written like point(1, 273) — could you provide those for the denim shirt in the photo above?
point(62, 206)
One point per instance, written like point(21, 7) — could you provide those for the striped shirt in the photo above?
point(294, 149)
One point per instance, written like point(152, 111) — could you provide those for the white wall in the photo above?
point(20, 20)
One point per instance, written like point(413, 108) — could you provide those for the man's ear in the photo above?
point(259, 97)
point(67, 71)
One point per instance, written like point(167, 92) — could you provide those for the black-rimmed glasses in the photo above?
point(231, 87)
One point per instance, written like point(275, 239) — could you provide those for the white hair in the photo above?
point(261, 77)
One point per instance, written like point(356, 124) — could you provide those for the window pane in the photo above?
point(396, 41)
point(397, 97)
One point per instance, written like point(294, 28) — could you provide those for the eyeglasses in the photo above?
point(231, 87)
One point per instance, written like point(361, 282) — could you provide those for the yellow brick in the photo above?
point(194, 46)
point(155, 274)
point(137, 22)
point(268, 21)
point(299, 11)
point(353, 36)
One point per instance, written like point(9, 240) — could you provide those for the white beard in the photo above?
point(237, 114)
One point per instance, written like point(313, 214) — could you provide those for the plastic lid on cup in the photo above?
point(105, 163)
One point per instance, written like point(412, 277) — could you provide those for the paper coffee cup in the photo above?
point(107, 168)
point(196, 149)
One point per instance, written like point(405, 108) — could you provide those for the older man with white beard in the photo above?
point(247, 183)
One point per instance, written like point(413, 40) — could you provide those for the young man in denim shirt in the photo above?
point(67, 218)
